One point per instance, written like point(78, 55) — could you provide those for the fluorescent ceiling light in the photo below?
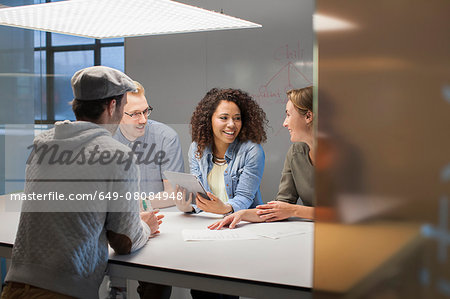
point(118, 18)
point(326, 23)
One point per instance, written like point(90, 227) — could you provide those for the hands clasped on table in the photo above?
point(275, 210)
point(272, 211)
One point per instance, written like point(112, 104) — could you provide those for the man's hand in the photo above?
point(153, 221)
point(164, 199)
point(215, 205)
point(182, 204)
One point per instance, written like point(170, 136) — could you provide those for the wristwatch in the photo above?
point(230, 212)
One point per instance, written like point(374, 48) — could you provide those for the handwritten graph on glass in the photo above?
point(291, 74)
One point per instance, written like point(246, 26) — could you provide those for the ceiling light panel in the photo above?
point(118, 18)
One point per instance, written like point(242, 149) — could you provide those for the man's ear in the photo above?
point(111, 107)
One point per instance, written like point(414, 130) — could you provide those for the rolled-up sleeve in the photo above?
point(249, 179)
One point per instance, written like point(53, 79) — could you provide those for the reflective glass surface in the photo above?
point(113, 57)
point(39, 38)
point(40, 85)
point(112, 40)
point(384, 112)
point(67, 40)
point(66, 64)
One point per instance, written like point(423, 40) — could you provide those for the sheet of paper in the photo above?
point(277, 235)
point(280, 230)
point(209, 215)
point(211, 235)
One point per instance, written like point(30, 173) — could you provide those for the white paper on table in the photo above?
point(209, 215)
point(277, 235)
point(215, 235)
point(280, 230)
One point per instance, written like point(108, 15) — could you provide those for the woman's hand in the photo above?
point(276, 210)
point(214, 205)
point(233, 219)
point(182, 204)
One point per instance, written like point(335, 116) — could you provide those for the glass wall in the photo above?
point(57, 58)
point(35, 72)
point(383, 103)
point(16, 101)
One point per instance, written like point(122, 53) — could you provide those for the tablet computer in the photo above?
point(187, 181)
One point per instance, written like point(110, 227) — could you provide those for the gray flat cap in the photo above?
point(100, 82)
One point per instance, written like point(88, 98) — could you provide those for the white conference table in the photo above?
point(261, 268)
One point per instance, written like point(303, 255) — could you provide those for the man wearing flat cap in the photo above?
point(86, 182)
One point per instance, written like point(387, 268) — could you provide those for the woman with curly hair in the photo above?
point(226, 155)
point(296, 189)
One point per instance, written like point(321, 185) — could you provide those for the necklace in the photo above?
point(219, 161)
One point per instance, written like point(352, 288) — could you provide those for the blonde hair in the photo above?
point(140, 89)
point(302, 99)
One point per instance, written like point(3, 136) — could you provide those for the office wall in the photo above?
point(177, 70)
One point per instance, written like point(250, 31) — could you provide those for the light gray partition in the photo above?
point(177, 70)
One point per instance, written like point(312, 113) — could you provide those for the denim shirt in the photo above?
point(242, 177)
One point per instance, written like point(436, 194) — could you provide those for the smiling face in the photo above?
point(226, 123)
point(298, 125)
point(134, 128)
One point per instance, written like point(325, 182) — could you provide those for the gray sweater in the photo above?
point(62, 245)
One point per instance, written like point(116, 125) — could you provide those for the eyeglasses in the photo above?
point(146, 113)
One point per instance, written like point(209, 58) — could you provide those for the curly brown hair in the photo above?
point(254, 120)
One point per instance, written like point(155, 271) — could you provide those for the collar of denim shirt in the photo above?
point(229, 154)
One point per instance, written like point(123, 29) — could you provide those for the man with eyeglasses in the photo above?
point(157, 147)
